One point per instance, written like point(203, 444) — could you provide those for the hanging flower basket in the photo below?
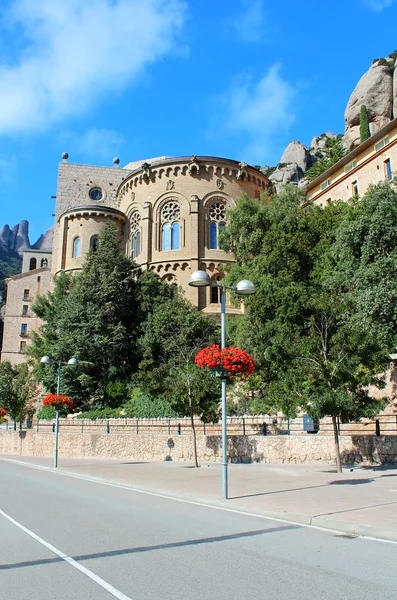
point(58, 401)
point(229, 362)
point(3, 413)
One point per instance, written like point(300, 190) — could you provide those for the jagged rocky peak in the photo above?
point(319, 142)
point(377, 91)
point(16, 239)
point(297, 153)
point(45, 240)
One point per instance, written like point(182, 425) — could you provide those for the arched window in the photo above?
point(94, 243)
point(32, 264)
point(217, 216)
point(215, 291)
point(44, 263)
point(170, 226)
point(213, 234)
point(166, 236)
point(135, 225)
point(175, 236)
point(76, 247)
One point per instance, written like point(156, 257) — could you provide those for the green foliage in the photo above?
point(329, 155)
point(46, 413)
point(303, 326)
point(101, 413)
point(91, 316)
point(364, 124)
point(144, 406)
point(17, 390)
point(386, 63)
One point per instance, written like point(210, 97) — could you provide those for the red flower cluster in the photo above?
point(3, 412)
point(237, 363)
point(58, 401)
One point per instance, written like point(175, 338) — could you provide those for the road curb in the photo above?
point(317, 522)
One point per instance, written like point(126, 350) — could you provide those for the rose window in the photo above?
point(135, 221)
point(217, 211)
point(170, 212)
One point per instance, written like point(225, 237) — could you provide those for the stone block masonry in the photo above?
point(161, 446)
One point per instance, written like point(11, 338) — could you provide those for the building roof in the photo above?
point(27, 273)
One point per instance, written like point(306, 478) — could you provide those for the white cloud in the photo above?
point(378, 5)
point(74, 52)
point(259, 110)
point(248, 24)
point(94, 143)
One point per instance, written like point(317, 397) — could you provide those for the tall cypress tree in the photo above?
point(364, 124)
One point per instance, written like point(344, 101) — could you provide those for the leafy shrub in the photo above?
point(116, 392)
point(101, 413)
point(144, 406)
point(46, 413)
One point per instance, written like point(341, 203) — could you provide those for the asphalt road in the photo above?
point(71, 539)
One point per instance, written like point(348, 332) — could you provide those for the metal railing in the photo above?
point(245, 426)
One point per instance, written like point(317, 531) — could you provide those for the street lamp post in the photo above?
point(242, 288)
point(47, 360)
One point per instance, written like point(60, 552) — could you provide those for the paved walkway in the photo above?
point(360, 501)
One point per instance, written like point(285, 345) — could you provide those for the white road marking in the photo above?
point(202, 503)
point(73, 563)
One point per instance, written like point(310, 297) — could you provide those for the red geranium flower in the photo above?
point(58, 401)
point(236, 362)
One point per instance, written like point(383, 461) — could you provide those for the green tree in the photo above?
point(18, 391)
point(306, 327)
point(173, 334)
point(364, 124)
point(337, 360)
point(91, 316)
point(332, 152)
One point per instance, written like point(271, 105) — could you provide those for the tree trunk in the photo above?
point(194, 434)
point(337, 449)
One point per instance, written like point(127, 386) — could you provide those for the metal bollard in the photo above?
point(264, 429)
point(53, 428)
point(107, 427)
point(377, 428)
point(179, 429)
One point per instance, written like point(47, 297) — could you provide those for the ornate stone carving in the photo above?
point(193, 166)
point(135, 221)
point(146, 170)
point(217, 211)
point(220, 184)
point(170, 185)
point(242, 172)
point(170, 212)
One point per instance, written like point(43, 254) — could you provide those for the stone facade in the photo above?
point(169, 213)
point(373, 161)
point(151, 446)
point(19, 319)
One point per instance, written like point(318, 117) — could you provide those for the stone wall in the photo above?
point(151, 446)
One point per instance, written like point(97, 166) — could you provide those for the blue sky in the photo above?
point(142, 78)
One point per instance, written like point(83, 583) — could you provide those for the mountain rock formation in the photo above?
point(376, 90)
point(16, 239)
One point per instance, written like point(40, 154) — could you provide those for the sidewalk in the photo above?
point(360, 501)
